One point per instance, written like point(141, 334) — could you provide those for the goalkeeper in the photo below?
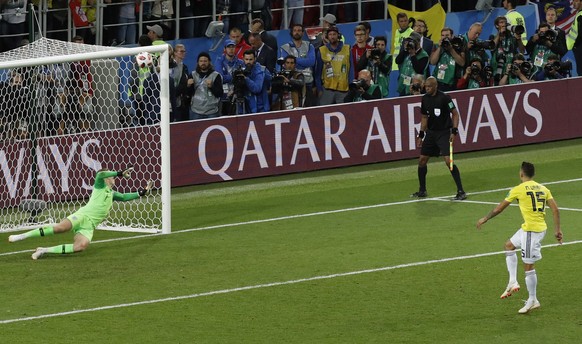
point(84, 221)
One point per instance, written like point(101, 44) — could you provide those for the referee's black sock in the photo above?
point(457, 177)
point(422, 177)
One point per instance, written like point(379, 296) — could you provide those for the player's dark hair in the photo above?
point(528, 169)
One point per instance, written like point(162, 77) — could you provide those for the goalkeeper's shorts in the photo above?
point(82, 225)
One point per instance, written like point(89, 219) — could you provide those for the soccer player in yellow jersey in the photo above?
point(84, 221)
point(532, 198)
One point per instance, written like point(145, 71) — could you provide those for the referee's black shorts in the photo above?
point(436, 143)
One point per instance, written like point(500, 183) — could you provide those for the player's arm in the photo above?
point(556, 212)
point(123, 197)
point(496, 211)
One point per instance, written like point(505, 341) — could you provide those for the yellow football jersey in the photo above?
point(532, 199)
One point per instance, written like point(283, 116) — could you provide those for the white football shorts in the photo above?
point(530, 244)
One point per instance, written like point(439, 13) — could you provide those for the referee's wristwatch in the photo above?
point(454, 131)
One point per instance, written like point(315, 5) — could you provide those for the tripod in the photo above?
point(238, 105)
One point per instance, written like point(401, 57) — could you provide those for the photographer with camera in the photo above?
point(248, 86)
point(475, 77)
point(507, 43)
point(541, 45)
point(206, 89)
point(379, 62)
point(515, 18)
point(417, 85)
point(447, 58)
point(411, 60)
point(288, 86)
point(305, 63)
point(559, 45)
point(363, 88)
point(474, 47)
point(226, 64)
point(403, 32)
point(518, 72)
point(334, 66)
point(553, 69)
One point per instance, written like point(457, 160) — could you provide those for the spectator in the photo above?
point(574, 40)
point(447, 57)
point(327, 21)
point(204, 9)
point(335, 64)
point(144, 91)
point(559, 46)
point(379, 62)
point(206, 89)
point(541, 45)
point(295, 12)
point(288, 86)
point(552, 70)
point(507, 44)
point(13, 23)
point(404, 30)
point(411, 60)
point(258, 26)
point(360, 48)
point(304, 53)
point(14, 94)
point(369, 38)
point(417, 85)
point(515, 18)
point(474, 77)
point(79, 96)
point(162, 12)
point(127, 31)
point(187, 23)
point(236, 36)
point(156, 34)
point(226, 64)
point(265, 56)
point(179, 76)
point(518, 72)
point(363, 88)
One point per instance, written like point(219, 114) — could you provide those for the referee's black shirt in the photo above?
point(438, 109)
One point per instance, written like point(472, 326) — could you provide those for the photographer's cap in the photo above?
point(330, 18)
point(415, 36)
point(229, 42)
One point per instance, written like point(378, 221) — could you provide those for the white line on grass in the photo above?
point(494, 203)
point(237, 224)
point(260, 286)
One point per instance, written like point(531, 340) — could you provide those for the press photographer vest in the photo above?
point(398, 38)
point(336, 66)
point(444, 70)
point(572, 36)
point(407, 71)
point(203, 101)
point(369, 91)
point(300, 52)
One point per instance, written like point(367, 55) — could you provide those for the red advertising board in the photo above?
point(231, 148)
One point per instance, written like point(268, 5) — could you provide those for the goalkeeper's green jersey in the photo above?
point(102, 199)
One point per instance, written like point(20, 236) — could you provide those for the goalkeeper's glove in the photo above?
point(144, 191)
point(125, 173)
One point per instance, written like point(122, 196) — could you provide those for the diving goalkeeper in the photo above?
point(84, 221)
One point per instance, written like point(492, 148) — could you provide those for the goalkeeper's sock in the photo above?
point(61, 249)
point(44, 231)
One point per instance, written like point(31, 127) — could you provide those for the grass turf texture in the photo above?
point(453, 302)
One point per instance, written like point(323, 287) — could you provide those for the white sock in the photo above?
point(531, 281)
point(511, 260)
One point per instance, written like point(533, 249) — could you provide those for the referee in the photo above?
point(437, 128)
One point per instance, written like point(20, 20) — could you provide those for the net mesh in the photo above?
point(62, 122)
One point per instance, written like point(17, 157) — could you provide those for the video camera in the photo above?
point(548, 35)
point(355, 85)
point(484, 45)
point(238, 80)
point(516, 29)
point(456, 42)
point(278, 82)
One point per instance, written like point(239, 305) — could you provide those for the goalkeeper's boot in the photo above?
point(16, 237)
point(38, 253)
point(512, 288)
point(529, 305)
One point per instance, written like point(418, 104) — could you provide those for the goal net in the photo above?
point(68, 110)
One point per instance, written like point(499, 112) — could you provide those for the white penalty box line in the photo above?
point(260, 286)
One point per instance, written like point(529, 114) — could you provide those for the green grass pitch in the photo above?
point(336, 256)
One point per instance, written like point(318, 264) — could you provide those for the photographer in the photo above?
point(305, 54)
point(226, 64)
point(518, 72)
point(411, 60)
point(248, 85)
point(541, 45)
point(507, 43)
point(553, 69)
point(475, 77)
point(559, 46)
point(363, 89)
point(474, 47)
point(447, 58)
point(206, 87)
point(379, 62)
point(417, 85)
point(288, 86)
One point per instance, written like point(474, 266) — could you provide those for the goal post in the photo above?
point(68, 110)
